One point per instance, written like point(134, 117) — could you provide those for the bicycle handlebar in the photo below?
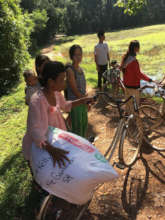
point(118, 102)
point(146, 87)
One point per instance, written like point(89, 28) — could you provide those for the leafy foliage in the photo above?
point(15, 29)
point(84, 16)
point(39, 19)
point(131, 6)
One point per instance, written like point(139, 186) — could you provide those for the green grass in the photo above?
point(151, 55)
point(17, 198)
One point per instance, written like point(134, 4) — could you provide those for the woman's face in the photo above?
point(77, 57)
point(137, 49)
point(59, 83)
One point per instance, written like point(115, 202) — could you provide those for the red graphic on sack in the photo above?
point(77, 143)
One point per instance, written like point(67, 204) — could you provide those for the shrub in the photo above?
point(15, 29)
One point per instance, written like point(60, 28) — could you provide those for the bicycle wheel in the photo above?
point(53, 208)
point(156, 140)
point(43, 213)
point(154, 127)
point(151, 117)
point(156, 137)
point(130, 143)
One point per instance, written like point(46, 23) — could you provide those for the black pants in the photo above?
point(102, 69)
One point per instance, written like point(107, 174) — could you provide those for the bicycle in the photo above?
point(113, 82)
point(122, 133)
point(153, 120)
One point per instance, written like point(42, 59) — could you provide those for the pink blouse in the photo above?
point(40, 116)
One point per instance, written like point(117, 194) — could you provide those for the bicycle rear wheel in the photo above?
point(154, 127)
point(150, 116)
point(130, 143)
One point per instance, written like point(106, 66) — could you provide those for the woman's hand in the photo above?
point(58, 155)
point(88, 100)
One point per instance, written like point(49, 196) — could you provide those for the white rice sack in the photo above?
point(75, 182)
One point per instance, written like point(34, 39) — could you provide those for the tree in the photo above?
point(131, 6)
point(15, 29)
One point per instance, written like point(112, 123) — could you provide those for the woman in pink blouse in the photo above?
point(45, 110)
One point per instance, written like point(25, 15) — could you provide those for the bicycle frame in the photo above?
point(122, 123)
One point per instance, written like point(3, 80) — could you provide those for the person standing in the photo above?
point(76, 89)
point(132, 74)
point(102, 58)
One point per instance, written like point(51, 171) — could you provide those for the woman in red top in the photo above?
point(131, 73)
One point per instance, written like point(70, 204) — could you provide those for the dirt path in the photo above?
point(139, 193)
point(49, 49)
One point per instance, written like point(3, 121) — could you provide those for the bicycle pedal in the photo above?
point(120, 166)
point(59, 213)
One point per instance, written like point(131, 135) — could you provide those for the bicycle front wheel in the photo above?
point(53, 208)
point(43, 213)
point(130, 143)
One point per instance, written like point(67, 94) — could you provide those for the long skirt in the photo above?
point(79, 120)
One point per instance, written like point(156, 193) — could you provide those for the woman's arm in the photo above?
point(84, 100)
point(72, 83)
point(64, 105)
point(37, 121)
point(67, 105)
point(139, 73)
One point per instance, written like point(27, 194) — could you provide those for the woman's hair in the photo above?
point(51, 70)
point(131, 51)
point(27, 73)
point(72, 50)
point(40, 59)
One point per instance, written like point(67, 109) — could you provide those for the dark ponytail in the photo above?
point(131, 52)
point(39, 60)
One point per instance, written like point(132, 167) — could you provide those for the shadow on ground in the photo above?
point(136, 184)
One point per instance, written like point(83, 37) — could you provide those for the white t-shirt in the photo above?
point(101, 50)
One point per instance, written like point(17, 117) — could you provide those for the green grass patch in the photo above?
point(17, 197)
